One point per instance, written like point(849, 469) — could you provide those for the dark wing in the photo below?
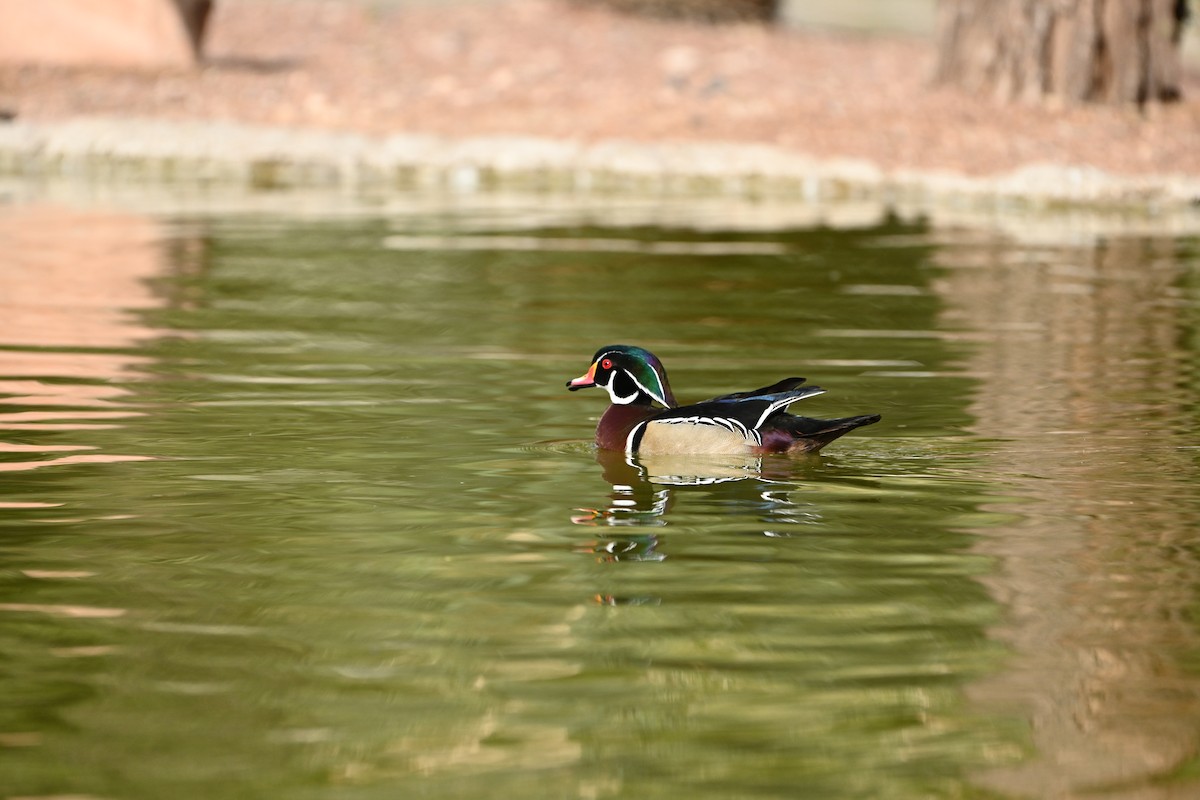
point(748, 410)
point(775, 388)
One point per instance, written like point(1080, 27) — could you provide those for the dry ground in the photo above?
point(553, 69)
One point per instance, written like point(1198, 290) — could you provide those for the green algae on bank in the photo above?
point(142, 151)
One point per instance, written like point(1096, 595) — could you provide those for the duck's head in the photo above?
point(630, 374)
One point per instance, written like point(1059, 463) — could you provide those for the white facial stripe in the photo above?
point(650, 392)
point(617, 399)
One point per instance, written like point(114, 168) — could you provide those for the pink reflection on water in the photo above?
point(72, 276)
point(70, 287)
point(83, 612)
point(94, 458)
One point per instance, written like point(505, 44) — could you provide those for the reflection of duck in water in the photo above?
point(644, 488)
point(743, 423)
point(644, 491)
point(636, 508)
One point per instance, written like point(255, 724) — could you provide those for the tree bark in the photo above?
point(1078, 51)
point(696, 10)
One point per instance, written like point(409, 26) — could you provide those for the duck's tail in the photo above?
point(810, 435)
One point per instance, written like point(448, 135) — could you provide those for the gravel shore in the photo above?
point(544, 94)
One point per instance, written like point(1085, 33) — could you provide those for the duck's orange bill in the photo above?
point(584, 381)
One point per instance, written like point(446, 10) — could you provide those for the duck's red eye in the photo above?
point(606, 363)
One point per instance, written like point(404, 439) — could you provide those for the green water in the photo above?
point(301, 508)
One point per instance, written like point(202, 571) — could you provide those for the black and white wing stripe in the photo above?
point(742, 414)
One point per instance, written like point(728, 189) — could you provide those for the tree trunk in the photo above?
point(696, 10)
point(1099, 51)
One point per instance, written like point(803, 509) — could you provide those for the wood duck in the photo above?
point(739, 423)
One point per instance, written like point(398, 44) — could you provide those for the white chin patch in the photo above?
point(617, 399)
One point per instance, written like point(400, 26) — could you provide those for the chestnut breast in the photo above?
point(618, 421)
